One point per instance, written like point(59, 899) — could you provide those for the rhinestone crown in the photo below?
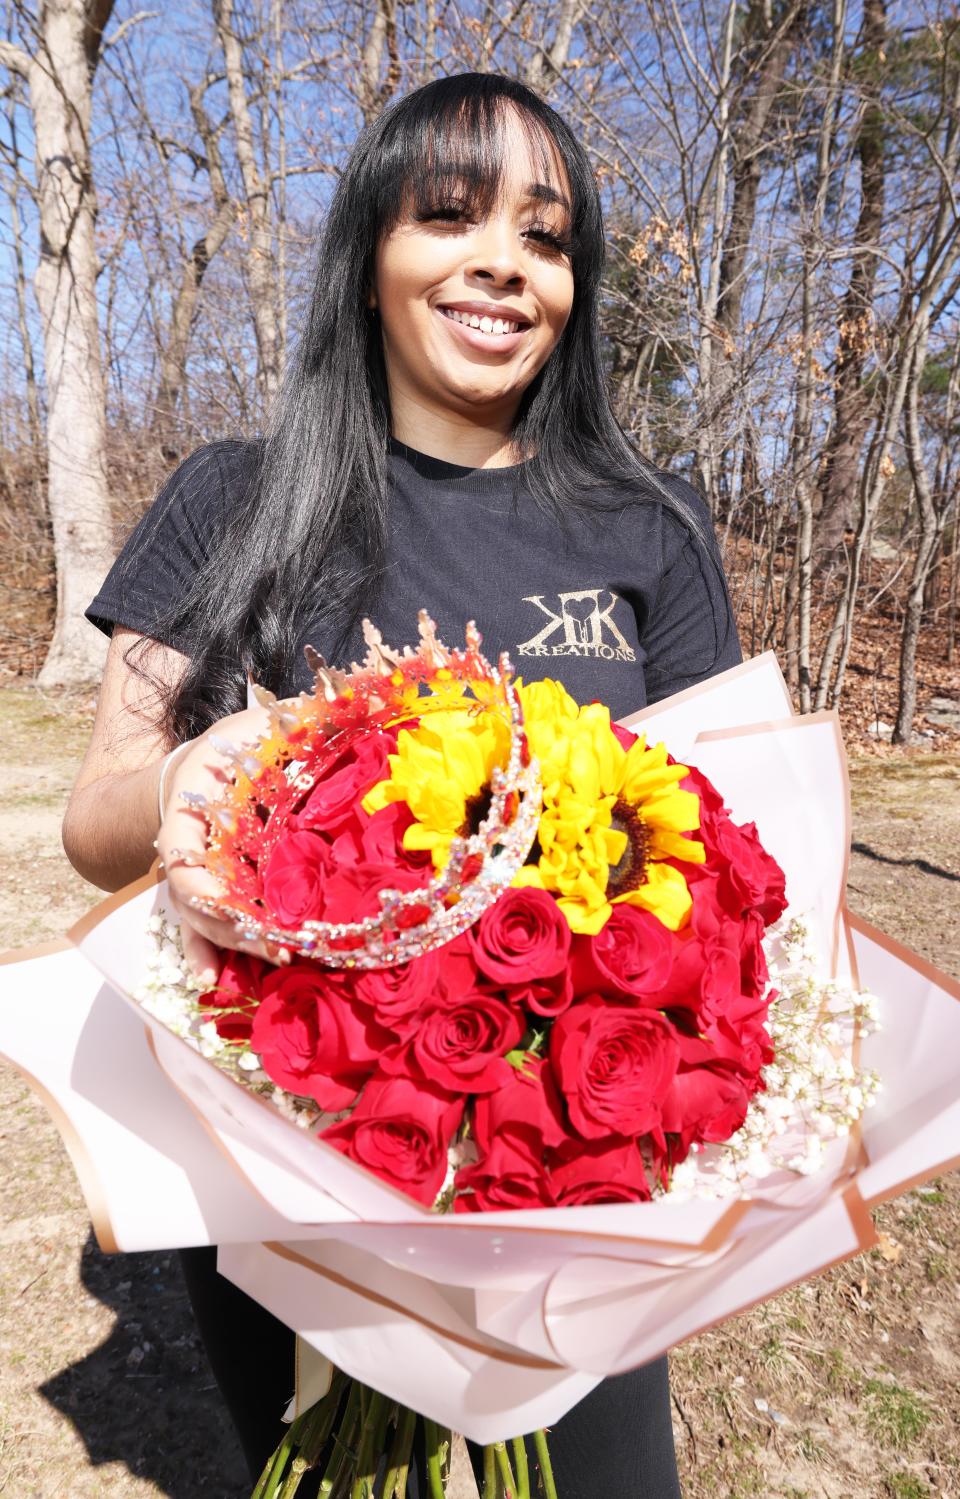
point(308, 733)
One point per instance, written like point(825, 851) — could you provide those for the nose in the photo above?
point(495, 257)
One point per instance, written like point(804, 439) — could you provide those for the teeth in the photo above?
point(492, 326)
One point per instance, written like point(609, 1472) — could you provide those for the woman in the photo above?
point(443, 440)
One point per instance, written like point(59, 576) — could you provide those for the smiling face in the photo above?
point(474, 295)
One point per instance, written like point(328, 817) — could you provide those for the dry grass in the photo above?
point(843, 1388)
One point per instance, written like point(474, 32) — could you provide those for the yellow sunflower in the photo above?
point(610, 816)
point(442, 770)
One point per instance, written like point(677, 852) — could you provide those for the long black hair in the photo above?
point(307, 540)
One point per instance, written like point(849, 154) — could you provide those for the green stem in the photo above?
point(322, 1416)
point(342, 1444)
point(434, 1475)
point(523, 1472)
point(505, 1470)
point(273, 1472)
point(398, 1462)
point(546, 1470)
point(372, 1407)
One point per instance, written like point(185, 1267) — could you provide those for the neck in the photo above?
point(451, 436)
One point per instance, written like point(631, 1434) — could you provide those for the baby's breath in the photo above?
point(171, 993)
point(814, 1093)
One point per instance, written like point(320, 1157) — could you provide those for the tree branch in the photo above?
point(125, 26)
point(15, 59)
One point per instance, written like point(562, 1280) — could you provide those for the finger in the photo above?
point(221, 934)
point(201, 956)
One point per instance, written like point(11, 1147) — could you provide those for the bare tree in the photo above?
point(58, 67)
point(856, 322)
point(257, 200)
point(173, 361)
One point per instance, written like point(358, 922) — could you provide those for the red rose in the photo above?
point(461, 1045)
point(749, 879)
point(754, 973)
point(378, 839)
point(614, 1065)
point(399, 994)
point(348, 776)
point(527, 1108)
point(513, 1129)
point(235, 995)
point(740, 1035)
point(630, 955)
point(312, 1038)
point(508, 1176)
point(707, 1102)
point(351, 891)
point(705, 977)
point(624, 736)
point(585, 1171)
point(293, 876)
point(401, 1131)
point(522, 943)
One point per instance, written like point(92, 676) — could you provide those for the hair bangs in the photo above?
point(444, 145)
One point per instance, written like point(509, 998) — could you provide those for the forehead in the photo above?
point(504, 155)
point(529, 158)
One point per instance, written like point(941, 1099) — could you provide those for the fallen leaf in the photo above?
point(890, 1248)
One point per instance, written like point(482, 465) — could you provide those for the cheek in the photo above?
point(396, 279)
point(560, 300)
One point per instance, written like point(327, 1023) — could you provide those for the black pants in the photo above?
point(616, 1442)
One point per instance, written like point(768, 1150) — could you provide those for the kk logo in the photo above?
point(579, 628)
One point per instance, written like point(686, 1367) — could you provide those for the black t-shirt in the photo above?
point(621, 605)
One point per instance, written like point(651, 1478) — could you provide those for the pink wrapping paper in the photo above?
point(494, 1323)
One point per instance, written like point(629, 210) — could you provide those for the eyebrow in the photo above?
point(535, 192)
point(542, 192)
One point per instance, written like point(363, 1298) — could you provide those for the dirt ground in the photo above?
point(847, 1387)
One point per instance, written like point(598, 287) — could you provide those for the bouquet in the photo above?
point(484, 1268)
point(519, 960)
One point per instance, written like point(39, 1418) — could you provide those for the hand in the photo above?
point(183, 831)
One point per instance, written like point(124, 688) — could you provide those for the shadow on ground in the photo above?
point(145, 1397)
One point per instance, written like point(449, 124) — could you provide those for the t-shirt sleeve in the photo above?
point(153, 574)
point(690, 633)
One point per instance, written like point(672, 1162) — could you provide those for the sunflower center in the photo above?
point(630, 870)
point(476, 809)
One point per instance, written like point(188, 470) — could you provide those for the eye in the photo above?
point(442, 213)
point(549, 238)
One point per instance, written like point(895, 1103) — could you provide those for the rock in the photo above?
point(943, 713)
point(881, 730)
point(882, 551)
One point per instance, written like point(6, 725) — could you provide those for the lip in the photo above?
point(490, 310)
point(505, 343)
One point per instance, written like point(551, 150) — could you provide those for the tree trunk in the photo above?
point(852, 405)
point(930, 522)
point(60, 77)
point(173, 359)
point(549, 61)
point(260, 273)
point(377, 86)
point(748, 140)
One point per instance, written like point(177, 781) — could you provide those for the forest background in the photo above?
point(781, 313)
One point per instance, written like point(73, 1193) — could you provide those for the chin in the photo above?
point(483, 395)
